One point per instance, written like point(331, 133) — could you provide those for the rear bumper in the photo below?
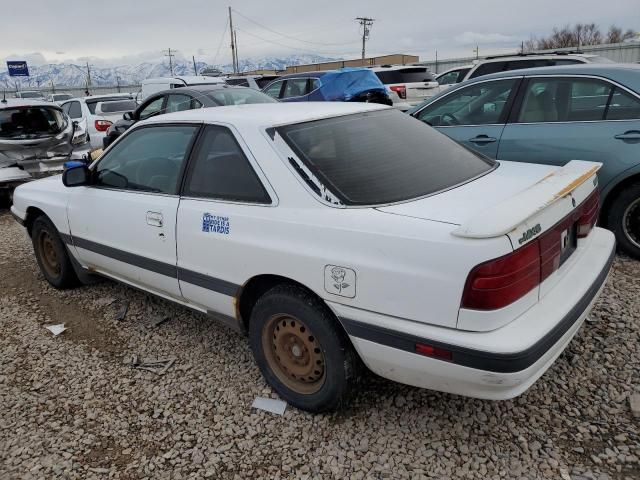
point(498, 364)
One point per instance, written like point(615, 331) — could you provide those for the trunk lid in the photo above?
point(519, 200)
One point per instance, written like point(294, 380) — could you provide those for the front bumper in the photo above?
point(498, 364)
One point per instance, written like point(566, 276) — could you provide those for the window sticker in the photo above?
point(215, 224)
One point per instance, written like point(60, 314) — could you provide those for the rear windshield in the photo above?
point(30, 123)
point(118, 106)
point(91, 103)
point(405, 75)
point(239, 96)
point(376, 158)
point(61, 96)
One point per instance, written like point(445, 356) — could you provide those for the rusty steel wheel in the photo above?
point(51, 254)
point(301, 349)
point(294, 354)
point(48, 253)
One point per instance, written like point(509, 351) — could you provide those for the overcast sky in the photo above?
point(127, 31)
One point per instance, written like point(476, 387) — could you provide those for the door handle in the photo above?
point(483, 139)
point(629, 135)
point(154, 219)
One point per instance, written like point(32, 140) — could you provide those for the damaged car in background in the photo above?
point(36, 137)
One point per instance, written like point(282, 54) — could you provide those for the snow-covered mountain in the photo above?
point(75, 75)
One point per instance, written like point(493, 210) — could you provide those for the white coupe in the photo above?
point(333, 233)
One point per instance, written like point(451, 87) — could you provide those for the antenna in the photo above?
point(167, 53)
point(366, 24)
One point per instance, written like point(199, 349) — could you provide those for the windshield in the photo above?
point(381, 157)
point(61, 96)
point(30, 95)
point(239, 96)
point(30, 123)
point(118, 106)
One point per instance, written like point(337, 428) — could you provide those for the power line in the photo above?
point(167, 53)
point(305, 50)
point(365, 23)
point(293, 38)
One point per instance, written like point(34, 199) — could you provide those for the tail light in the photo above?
point(590, 209)
point(401, 90)
point(102, 125)
point(501, 281)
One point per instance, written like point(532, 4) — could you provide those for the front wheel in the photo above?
point(51, 254)
point(624, 220)
point(301, 351)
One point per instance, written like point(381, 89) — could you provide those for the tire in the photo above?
point(320, 365)
point(623, 219)
point(51, 254)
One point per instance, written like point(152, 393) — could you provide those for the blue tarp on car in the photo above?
point(346, 83)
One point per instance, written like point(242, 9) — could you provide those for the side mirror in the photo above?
point(75, 174)
point(75, 124)
point(127, 115)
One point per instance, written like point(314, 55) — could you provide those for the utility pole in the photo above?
point(167, 53)
point(234, 58)
point(195, 69)
point(436, 61)
point(476, 51)
point(118, 82)
point(366, 23)
point(88, 76)
point(235, 41)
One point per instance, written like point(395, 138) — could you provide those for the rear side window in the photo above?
point(381, 157)
point(178, 103)
point(75, 110)
point(295, 87)
point(220, 170)
point(488, 68)
point(623, 106)
point(564, 100)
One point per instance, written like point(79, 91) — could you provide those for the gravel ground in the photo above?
point(72, 407)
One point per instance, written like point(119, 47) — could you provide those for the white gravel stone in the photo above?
point(72, 407)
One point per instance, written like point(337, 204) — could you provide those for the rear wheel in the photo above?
point(51, 254)
point(624, 220)
point(302, 352)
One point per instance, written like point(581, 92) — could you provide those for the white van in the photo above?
point(153, 85)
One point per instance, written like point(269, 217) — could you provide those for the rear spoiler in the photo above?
point(504, 217)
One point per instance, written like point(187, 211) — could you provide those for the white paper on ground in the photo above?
point(270, 405)
point(56, 329)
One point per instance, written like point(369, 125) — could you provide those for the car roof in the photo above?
point(267, 114)
point(199, 89)
point(625, 73)
point(26, 102)
point(387, 68)
point(114, 96)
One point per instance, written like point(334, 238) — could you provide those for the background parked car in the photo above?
point(186, 98)
point(409, 85)
point(96, 123)
point(35, 137)
point(503, 63)
point(257, 82)
point(154, 85)
point(58, 97)
point(344, 85)
point(35, 94)
point(553, 115)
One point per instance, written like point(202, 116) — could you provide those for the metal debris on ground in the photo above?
point(122, 313)
point(56, 329)
point(158, 366)
point(159, 320)
point(270, 405)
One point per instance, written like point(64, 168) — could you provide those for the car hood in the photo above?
point(458, 204)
